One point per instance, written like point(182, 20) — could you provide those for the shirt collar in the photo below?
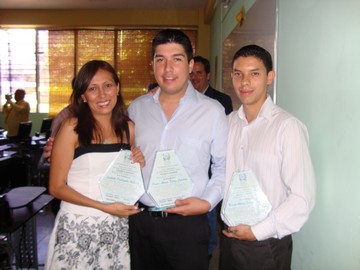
point(265, 111)
point(206, 89)
point(190, 94)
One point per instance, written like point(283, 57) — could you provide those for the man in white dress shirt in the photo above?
point(177, 117)
point(273, 145)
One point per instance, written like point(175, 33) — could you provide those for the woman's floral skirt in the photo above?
point(89, 242)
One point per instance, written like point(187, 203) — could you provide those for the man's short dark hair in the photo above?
point(173, 36)
point(255, 51)
point(204, 61)
point(20, 91)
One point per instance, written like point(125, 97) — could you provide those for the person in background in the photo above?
point(200, 77)
point(179, 118)
point(16, 112)
point(272, 144)
point(89, 233)
point(152, 87)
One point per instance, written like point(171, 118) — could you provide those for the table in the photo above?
point(19, 223)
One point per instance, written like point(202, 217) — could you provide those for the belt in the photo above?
point(155, 213)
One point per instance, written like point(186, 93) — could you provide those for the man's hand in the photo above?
point(241, 232)
point(190, 206)
point(137, 156)
point(48, 148)
point(8, 97)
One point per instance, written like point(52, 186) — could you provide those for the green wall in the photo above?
point(318, 80)
point(36, 119)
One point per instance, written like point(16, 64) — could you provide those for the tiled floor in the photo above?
point(45, 223)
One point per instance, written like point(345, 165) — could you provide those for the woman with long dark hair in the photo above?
point(89, 234)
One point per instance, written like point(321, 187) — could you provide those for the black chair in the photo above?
point(24, 131)
point(46, 127)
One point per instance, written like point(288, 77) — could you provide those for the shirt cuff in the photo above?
point(212, 198)
point(265, 229)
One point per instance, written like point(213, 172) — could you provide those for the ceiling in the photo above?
point(102, 4)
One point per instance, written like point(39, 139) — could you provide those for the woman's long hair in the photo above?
point(87, 127)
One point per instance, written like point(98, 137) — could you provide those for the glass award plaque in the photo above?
point(245, 203)
point(169, 180)
point(122, 181)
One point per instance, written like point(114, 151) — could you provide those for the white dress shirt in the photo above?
point(274, 146)
point(197, 131)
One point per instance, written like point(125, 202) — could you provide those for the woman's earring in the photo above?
point(84, 100)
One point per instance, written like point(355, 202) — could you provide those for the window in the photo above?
point(44, 62)
point(58, 53)
point(18, 63)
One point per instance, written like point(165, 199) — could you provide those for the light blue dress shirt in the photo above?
point(197, 131)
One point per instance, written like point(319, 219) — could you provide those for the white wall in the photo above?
point(319, 81)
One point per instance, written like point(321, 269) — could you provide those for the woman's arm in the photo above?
point(61, 158)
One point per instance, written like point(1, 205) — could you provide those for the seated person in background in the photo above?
point(84, 147)
point(16, 112)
